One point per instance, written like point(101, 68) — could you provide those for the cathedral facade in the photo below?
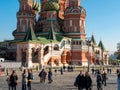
point(57, 38)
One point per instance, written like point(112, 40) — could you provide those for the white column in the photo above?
point(19, 53)
point(29, 57)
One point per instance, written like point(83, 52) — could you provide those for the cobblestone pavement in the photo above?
point(60, 82)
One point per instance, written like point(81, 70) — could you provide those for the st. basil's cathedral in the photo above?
point(56, 38)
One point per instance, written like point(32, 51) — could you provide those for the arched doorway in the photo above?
point(68, 58)
point(23, 55)
point(56, 62)
point(35, 55)
point(46, 50)
point(56, 47)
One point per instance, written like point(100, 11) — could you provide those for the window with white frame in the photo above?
point(75, 29)
point(70, 22)
point(80, 23)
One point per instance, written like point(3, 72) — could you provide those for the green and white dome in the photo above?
point(51, 6)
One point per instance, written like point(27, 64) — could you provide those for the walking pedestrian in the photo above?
point(118, 82)
point(24, 80)
point(30, 78)
point(80, 81)
point(50, 76)
point(93, 71)
point(8, 81)
point(61, 71)
point(13, 80)
point(104, 78)
point(99, 81)
point(42, 75)
point(64, 67)
point(88, 81)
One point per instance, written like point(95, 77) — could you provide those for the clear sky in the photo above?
point(102, 20)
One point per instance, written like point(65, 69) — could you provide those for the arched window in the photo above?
point(56, 62)
point(98, 52)
point(67, 41)
point(70, 22)
point(62, 44)
point(46, 49)
point(75, 29)
point(24, 7)
point(56, 47)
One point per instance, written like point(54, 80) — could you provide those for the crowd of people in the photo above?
point(27, 77)
point(83, 81)
point(43, 74)
point(12, 80)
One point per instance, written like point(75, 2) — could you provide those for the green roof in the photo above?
point(101, 45)
point(51, 6)
point(44, 40)
point(36, 6)
point(51, 34)
point(30, 35)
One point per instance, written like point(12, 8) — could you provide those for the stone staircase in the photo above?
point(55, 53)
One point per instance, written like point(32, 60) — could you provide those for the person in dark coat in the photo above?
point(13, 80)
point(88, 80)
point(50, 76)
point(118, 82)
point(80, 81)
point(99, 81)
point(93, 71)
point(64, 68)
point(24, 80)
point(104, 78)
point(30, 78)
point(42, 76)
point(61, 71)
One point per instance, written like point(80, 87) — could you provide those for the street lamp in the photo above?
point(71, 53)
point(51, 46)
point(88, 43)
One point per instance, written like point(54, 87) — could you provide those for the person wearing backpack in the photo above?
point(99, 81)
point(30, 78)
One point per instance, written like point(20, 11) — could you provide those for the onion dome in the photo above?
point(14, 32)
point(54, 1)
point(82, 10)
point(36, 6)
point(51, 6)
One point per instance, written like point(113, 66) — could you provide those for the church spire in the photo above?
point(101, 45)
point(30, 35)
point(93, 39)
point(51, 34)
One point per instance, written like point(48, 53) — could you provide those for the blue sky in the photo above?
point(102, 20)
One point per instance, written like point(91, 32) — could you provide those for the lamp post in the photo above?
point(88, 43)
point(43, 51)
point(51, 47)
point(71, 53)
